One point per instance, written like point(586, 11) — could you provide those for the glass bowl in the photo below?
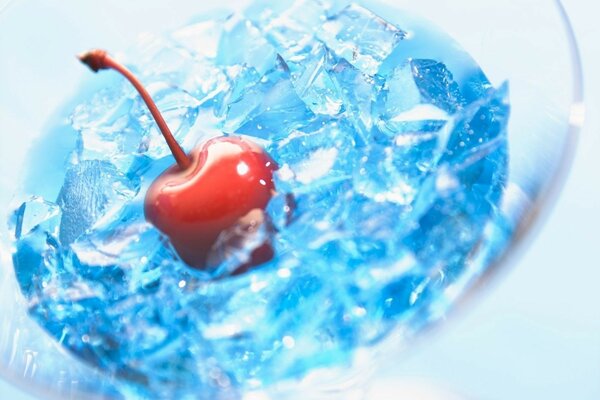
point(529, 43)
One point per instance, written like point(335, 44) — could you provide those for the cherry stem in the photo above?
point(99, 59)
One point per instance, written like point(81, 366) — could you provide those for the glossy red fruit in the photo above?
point(223, 183)
point(227, 179)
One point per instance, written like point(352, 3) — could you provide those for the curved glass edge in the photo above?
point(533, 219)
point(547, 198)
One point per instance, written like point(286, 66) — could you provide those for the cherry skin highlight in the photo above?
point(228, 178)
point(221, 183)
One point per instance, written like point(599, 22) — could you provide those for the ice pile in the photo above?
point(390, 170)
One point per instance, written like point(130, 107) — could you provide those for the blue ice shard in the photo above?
point(36, 213)
point(361, 37)
point(419, 96)
point(200, 38)
point(271, 108)
point(315, 85)
point(292, 30)
point(242, 44)
point(314, 158)
point(468, 183)
point(35, 225)
point(358, 91)
point(91, 190)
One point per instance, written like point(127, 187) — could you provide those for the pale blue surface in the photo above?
point(537, 335)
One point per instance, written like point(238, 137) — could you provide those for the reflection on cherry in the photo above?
point(222, 183)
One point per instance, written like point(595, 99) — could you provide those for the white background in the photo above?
point(536, 334)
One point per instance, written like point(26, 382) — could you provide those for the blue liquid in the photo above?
point(392, 150)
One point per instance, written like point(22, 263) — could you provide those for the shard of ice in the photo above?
point(361, 37)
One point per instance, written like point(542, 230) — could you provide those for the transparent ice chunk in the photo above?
point(303, 14)
point(315, 85)
point(480, 122)
point(399, 94)
point(247, 243)
point(36, 213)
point(201, 38)
point(106, 106)
point(37, 250)
point(314, 158)
point(269, 109)
point(409, 103)
point(240, 79)
point(155, 58)
point(91, 190)
point(292, 33)
point(468, 182)
point(114, 257)
point(436, 84)
point(358, 92)
point(364, 39)
point(107, 128)
point(290, 30)
point(205, 82)
point(243, 44)
point(116, 126)
point(382, 179)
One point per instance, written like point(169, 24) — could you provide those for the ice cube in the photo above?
point(291, 31)
point(364, 39)
point(107, 128)
point(104, 108)
point(409, 103)
point(381, 179)
point(395, 170)
point(201, 38)
point(398, 299)
point(37, 253)
point(319, 210)
point(116, 126)
point(206, 83)
point(269, 109)
point(240, 79)
point(245, 245)
point(399, 93)
point(314, 158)
point(91, 190)
point(304, 13)
point(281, 210)
point(480, 122)
point(155, 58)
point(358, 92)
point(243, 44)
point(124, 258)
point(36, 213)
point(436, 84)
point(314, 84)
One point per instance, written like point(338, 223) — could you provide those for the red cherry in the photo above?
point(227, 179)
point(221, 183)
